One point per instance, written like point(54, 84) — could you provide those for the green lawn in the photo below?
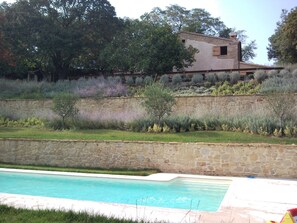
point(199, 136)
point(13, 215)
point(81, 170)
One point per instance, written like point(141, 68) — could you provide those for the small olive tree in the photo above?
point(64, 106)
point(158, 101)
point(283, 106)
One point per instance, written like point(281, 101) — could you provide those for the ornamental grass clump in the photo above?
point(176, 79)
point(148, 80)
point(260, 76)
point(164, 79)
point(211, 77)
point(139, 81)
point(234, 77)
point(222, 76)
point(197, 79)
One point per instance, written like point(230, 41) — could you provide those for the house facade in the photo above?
point(215, 53)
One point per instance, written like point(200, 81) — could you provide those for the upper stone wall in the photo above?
point(130, 108)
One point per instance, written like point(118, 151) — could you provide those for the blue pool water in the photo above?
point(182, 193)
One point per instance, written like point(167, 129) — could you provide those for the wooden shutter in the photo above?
point(216, 51)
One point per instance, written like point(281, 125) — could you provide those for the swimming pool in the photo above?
point(181, 193)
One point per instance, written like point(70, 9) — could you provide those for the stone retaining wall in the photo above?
point(262, 160)
point(129, 108)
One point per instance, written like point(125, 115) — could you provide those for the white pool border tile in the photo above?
point(247, 200)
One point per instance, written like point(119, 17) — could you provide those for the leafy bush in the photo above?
point(141, 125)
point(158, 101)
point(176, 79)
point(164, 79)
point(222, 76)
point(148, 80)
point(234, 77)
point(272, 73)
point(294, 74)
point(28, 122)
point(211, 77)
point(129, 80)
point(241, 88)
point(284, 73)
point(85, 123)
point(260, 76)
point(279, 84)
point(197, 78)
point(139, 81)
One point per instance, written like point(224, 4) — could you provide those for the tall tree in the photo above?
point(148, 48)
point(6, 57)
point(181, 19)
point(59, 35)
point(283, 43)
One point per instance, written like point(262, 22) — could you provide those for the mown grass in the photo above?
point(198, 136)
point(14, 215)
point(144, 172)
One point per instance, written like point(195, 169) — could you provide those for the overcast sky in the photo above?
point(257, 17)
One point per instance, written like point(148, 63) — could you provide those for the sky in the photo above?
point(257, 17)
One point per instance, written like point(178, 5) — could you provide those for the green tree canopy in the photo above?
point(181, 19)
point(59, 35)
point(283, 43)
point(149, 48)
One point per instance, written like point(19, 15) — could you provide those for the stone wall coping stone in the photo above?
point(154, 142)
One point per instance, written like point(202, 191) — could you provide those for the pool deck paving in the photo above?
point(247, 200)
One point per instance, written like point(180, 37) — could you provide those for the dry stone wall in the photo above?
point(262, 160)
point(130, 108)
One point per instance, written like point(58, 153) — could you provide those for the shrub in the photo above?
point(141, 125)
point(129, 80)
point(176, 79)
point(118, 79)
point(260, 76)
point(284, 73)
point(241, 88)
point(197, 78)
point(234, 77)
point(222, 76)
point(164, 79)
point(294, 74)
point(158, 101)
point(27, 122)
point(64, 106)
point(211, 77)
point(272, 73)
point(282, 105)
point(139, 81)
point(148, 80)
point(278, 84)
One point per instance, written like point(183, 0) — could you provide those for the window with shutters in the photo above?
point(219, 50)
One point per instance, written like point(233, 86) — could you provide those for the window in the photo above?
point(224, 50)
point(219, 50)
point(183, 41)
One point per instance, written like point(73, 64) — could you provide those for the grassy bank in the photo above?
point(199, 136)
point(81, 170)
point(13, 215)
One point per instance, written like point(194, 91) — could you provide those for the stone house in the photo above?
point(215, 53)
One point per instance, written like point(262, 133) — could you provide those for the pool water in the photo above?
point(181, 193)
